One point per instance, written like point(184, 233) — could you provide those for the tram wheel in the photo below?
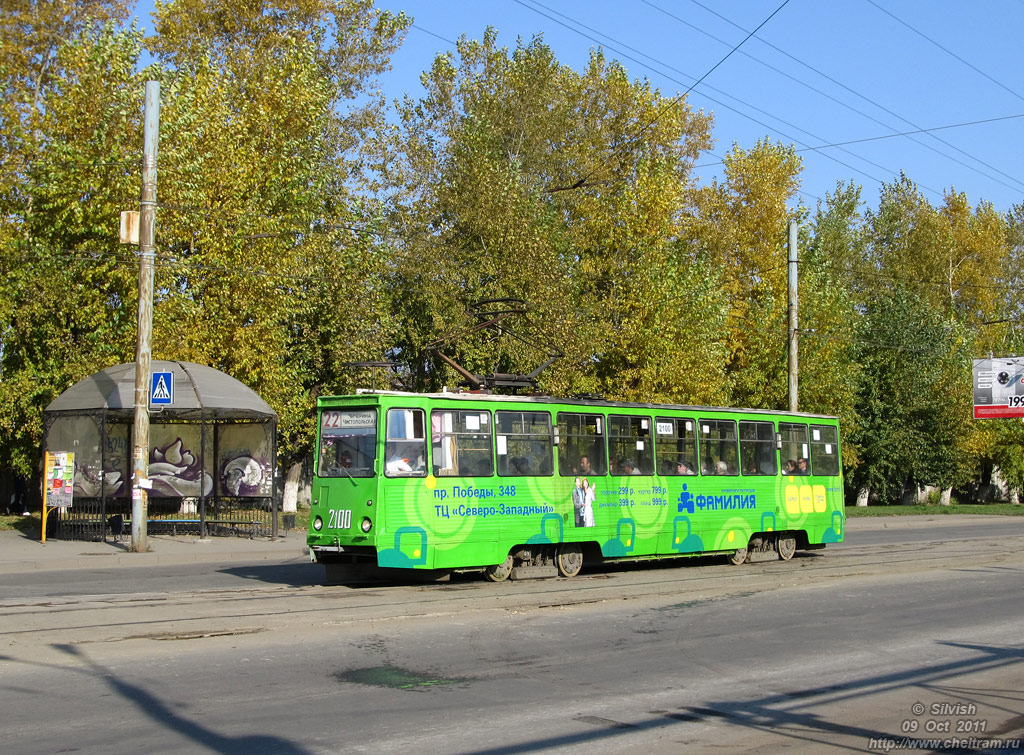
point(499, 572)
point(569, 559)
point(738, 557)
point(786, 547)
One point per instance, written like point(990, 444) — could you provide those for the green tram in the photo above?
point(537, 486)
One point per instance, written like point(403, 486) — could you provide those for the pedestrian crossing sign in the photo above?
point(161, 392)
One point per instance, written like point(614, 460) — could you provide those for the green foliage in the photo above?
point(299, 231)
point(524, 179)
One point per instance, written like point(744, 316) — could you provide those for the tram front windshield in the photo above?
point(348, 443)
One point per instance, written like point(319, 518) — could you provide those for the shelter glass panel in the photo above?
point(176, 462)
point(245, 460)
point(80, 435)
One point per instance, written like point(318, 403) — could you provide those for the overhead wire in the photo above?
point(674, 101)
point(859, 95)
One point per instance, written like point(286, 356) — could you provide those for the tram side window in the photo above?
point(757, 448)
point(795, 450)
point(629, 445)
point(825, 450)
point(461, 443)
point(348, 443)
point(580, 444)
point(676, 445)
point(717, 447)
point(524, 443)
point(405, 447)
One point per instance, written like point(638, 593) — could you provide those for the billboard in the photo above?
point(998, 388)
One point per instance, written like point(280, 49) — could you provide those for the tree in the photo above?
point(268, 110)
point(927, 271)
point(68, 287)
point(831, 304)
point(521, 178)
point(742, 223)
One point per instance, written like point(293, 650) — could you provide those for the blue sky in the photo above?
point(818, 72)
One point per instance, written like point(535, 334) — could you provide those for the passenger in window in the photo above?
point(801, 466)
point(628, 467)
point(721, 467)
point(397, 464)
point(684, 468)
point(790, 467)
point(584, 467)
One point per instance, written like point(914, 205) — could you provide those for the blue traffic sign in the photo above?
point(161, 391)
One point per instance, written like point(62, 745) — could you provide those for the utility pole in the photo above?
point(143, 350)
point(794, 367)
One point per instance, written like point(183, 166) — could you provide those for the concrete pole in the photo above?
point(794, 367)
point(143, 349)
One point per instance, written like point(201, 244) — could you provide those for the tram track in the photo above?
point(113, 618)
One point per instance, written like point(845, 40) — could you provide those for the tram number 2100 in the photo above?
point(340, 519)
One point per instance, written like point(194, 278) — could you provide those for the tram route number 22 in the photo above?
point(340, 519)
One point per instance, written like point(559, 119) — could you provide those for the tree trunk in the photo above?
point(946, 496)
point(863, 494)
point(291, 488)
point(923, 494)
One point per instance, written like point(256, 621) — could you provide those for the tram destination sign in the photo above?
point(999, 388)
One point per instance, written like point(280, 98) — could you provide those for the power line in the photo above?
point(866, 99)
point(946, 50)
point(936, 192)
point(674, 101)
point(893, 136)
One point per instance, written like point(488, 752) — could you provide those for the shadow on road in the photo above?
point(161, 713)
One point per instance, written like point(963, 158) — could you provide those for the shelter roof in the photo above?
point(199, 392)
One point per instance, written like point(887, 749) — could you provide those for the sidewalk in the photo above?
point(19, 553)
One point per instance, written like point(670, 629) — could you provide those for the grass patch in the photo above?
point(991, 509)
point(30, 525)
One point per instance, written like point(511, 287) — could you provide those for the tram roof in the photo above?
point(576, 401)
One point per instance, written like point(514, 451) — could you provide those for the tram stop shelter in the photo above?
point(212, 454)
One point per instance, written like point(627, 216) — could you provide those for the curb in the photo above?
point(280, 551)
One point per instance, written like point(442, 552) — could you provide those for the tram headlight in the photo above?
point(367, 525)
point(318, 524)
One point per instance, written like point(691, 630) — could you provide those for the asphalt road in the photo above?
point(905, 630)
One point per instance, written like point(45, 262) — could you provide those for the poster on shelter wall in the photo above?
point(175, 462)
point(59, 482)
point(999, 388)
point(245, 461)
